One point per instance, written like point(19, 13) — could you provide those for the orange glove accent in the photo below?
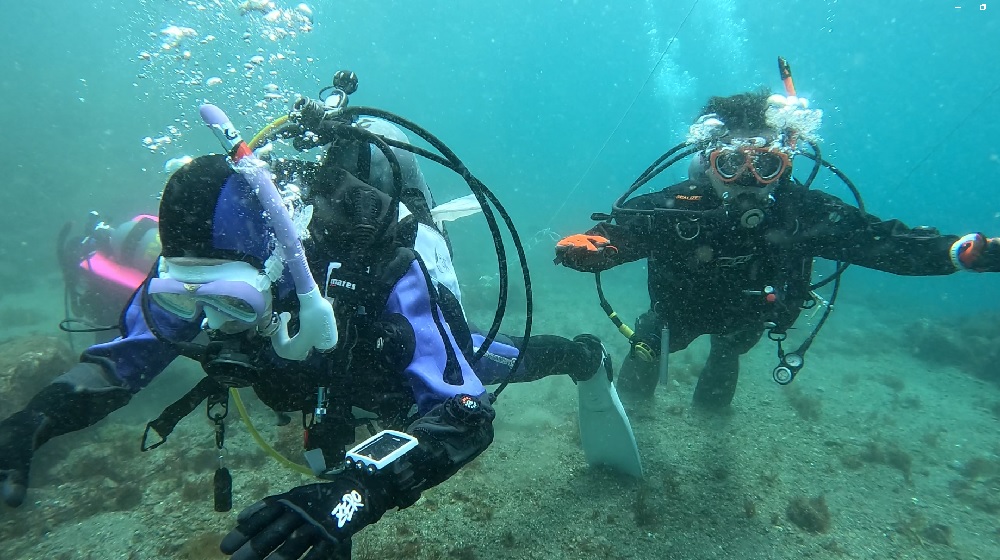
point(584, 251)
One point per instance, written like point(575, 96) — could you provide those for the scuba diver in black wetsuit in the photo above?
point(730, 250)
point(380, 331)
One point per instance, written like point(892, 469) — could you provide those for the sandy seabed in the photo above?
point(869, 454)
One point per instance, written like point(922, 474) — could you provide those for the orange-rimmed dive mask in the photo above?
point(766, 163)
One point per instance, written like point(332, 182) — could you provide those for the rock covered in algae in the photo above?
point(970, 343)
point(26, 365)
point(811, 514)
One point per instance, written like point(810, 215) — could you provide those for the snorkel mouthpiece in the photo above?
point(317, 324)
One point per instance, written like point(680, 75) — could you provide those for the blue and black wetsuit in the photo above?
point(399, 357)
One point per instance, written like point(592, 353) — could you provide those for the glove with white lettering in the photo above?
point(313, 521)
point(977, 253)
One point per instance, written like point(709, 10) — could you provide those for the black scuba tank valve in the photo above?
point(346, 81)
point(335, 97)
point(336, 100)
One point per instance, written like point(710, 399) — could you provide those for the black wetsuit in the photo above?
point(708, 275)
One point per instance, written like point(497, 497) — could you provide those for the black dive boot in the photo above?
point(547, 355)
point(592, 358)
point(638, 377)
point(717, 382)
point(640, 374)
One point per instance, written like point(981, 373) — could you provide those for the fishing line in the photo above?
point(625, 114)
point(945, 138)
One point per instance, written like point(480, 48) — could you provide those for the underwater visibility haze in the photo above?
point(886, 444)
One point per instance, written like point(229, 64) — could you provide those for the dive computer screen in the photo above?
point(381, 447)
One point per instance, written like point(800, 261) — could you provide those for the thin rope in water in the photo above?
point(607, 140)
point(946, 137)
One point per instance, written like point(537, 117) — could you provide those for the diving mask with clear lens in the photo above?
point(765, 163)
point(225, 291)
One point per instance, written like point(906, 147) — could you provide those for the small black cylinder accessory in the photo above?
point(223, 490)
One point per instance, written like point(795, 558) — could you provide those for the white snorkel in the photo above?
point(317, 324)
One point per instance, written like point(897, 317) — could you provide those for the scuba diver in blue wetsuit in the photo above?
point(730, 250)
point(379, 331)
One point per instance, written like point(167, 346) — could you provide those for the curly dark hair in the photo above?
point(743, 111)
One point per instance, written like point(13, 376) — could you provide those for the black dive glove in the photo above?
point(316, 520)
point(17, 446)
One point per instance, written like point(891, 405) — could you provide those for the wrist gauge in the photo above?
point(381, 450)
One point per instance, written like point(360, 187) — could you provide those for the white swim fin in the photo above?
point(605, 432)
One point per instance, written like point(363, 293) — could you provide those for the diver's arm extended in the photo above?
point(326, 515)
point(110, 373)
point(104, 381)
point(608, 245)
point(838, 231)
point(134, 359)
